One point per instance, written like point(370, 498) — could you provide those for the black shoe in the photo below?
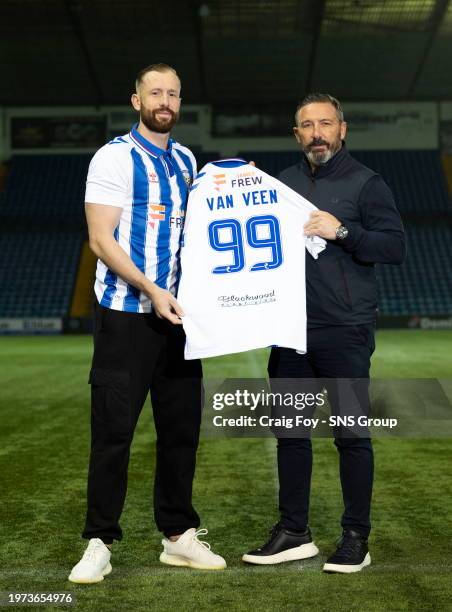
point(352, 554)
point(283, 545)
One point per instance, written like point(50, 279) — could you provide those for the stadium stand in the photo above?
point(52, 187)
point(43, 230)
point(41, 215)
point(416, 178)
point(46, 188)
point(40, 282)
point(423, 284)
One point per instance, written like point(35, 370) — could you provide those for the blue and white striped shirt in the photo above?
point(151, 186)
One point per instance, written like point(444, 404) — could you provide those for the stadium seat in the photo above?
point(422, 285)
point(416, 177)
point(46, 188)
point(46, 192)
point(40, 283)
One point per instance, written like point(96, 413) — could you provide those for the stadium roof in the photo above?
point(228, 52)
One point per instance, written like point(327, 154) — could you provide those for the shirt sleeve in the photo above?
point(314, 244)
point(107, 182)
point(380, 237)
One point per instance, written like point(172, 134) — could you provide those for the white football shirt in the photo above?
point(243, 262)
point(150, 185)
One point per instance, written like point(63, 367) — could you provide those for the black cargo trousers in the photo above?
point(135, 354)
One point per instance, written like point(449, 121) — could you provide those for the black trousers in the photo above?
point(135, 354)
point(333, 352)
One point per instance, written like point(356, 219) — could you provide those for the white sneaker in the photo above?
point(94, 565)
point(188, 551)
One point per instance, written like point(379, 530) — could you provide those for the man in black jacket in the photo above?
point(358, 217)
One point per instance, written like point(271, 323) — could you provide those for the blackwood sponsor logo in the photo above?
point(231, 301)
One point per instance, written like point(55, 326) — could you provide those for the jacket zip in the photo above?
point(311, 188)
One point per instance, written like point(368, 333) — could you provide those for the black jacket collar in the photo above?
point(325, 169)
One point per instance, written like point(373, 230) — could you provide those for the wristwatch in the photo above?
point(341, 232)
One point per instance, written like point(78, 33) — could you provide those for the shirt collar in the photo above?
point(147, 145)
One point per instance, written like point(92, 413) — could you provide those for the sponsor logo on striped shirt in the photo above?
point(157, 214)
point(219, 179)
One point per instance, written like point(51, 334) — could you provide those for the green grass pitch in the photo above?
point(44, 449)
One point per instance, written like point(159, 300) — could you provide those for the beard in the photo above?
point(161, 126)
point(322, 157)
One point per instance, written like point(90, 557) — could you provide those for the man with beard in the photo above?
point(358, 218)
point(136, 196)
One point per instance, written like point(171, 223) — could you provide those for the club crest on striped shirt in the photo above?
point(187, 178)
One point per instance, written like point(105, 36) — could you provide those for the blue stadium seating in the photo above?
point(46, 188)
point(51, 188)
point(415, 177)
point(423, 284)
point(37, 273)
point(45, 193)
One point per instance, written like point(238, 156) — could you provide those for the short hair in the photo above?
point(320, 97)
point(159, 67)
